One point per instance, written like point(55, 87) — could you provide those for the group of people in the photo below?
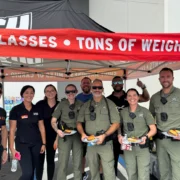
point(42, 127)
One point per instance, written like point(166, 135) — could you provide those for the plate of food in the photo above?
point(68, 132)
point(172, 133)
point(90, 139)
point(134, 140)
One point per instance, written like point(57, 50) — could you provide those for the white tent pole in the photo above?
point(2, 78)
point(125, 77)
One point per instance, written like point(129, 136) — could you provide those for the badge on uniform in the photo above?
point(35, 113)
point(24, 116)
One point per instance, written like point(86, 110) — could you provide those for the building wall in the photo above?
point(129, 15)
point(172, 15)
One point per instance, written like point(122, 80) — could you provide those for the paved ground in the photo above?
point(6, 174)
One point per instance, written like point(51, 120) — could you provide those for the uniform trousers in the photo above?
point(29, 159)
point(105, 154)
point(137, 163)
point(168, 154)
point(72, 142)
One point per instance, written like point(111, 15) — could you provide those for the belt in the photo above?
point(135, 144)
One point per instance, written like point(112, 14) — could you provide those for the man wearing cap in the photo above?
point(101, 119)
point(3, 134)
point(118, 96)
point(165, 107)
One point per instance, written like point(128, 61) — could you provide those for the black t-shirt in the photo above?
point(120, 102)
point(27, 123)
point(2, 120)
point(46, 114)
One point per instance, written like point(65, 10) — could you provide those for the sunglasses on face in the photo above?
point(68, 92)
point(97, 87)
point(117, 82)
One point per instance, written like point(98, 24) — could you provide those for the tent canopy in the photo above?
point(59, 15)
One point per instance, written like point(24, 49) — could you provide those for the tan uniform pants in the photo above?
point(137, 163)
point(105, 154)
point(72, 143)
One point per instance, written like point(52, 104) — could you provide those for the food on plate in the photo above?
point(90, 138)
point(173, 132)
point(133, 139)
point(68, 131)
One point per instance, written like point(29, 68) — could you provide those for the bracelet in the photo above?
point(143, 87)
point(4, 149)
point(43, 144)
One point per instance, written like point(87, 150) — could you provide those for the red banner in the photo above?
point(88, 45)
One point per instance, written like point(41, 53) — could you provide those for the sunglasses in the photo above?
point(97, 87)
point(118, 82)
point(1, 91)
point(68, 92)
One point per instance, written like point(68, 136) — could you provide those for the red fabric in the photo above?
point(88, 45)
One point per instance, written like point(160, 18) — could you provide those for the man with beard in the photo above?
point(85, 96)
point(165, 107)
point(101, 120)
point(118, 96)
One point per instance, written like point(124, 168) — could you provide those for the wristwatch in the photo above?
point(4, 149)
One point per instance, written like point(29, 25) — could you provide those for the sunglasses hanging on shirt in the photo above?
point(71, 114)
point(132, 115)
point(163, 100)
point(92, 113)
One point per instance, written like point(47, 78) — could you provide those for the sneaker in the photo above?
point(85, 176)
point(14, 165)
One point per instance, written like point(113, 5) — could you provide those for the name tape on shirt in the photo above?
point(24, 116)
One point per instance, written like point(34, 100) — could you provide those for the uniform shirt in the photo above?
point(141, 122)
point(27, 123)
point(2, 120)
point(172, 108)
point(84, 97)
point(120, 102)
point(102, 121)
point(46, 113)
point(62, 111)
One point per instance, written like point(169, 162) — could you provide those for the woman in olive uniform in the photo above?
point(66, 112)
point(30, 140)
point(46, 108)
point(138, 123)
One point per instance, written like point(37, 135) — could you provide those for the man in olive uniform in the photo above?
point(3, 134)
point(165, 107)
point(101, 119)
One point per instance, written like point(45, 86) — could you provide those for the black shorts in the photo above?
point(84, 149)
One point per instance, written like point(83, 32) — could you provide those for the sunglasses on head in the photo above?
point(97, 87)
point(118, 82)
point(68, 92)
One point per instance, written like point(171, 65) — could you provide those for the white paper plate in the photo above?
point(72, 132)
point(169, 135)
point(93, 141)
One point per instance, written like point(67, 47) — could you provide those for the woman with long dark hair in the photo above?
point(46, 108)
point(138, 127)
point(30, 141)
